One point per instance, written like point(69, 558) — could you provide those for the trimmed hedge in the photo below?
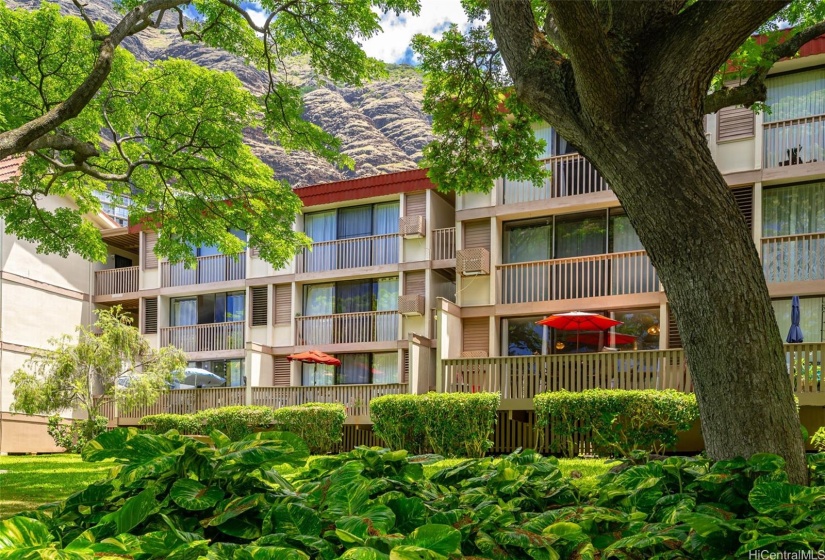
point(234, 421)
point(320, 425)
point(450, 424)
point(618, 421)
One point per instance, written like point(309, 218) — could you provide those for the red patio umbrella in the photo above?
point(314, 357)
point(579, 321)
point(610, 338)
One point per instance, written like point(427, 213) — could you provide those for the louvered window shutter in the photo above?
point(405, 375)
point(283, 303)
point(150, 316)
point(281, 372)
point(415, 204)
point(744, 200)
point(734, 123)
point(150, 259)
point(260, 306)
point(477, 234)
point(476, 339)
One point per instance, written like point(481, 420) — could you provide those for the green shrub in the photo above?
point(162, 423)
point(235, 421)
point(618, 421)
point(397, 421)
point(450, 424)
point(74, 435)
point(818, 439)
point(320, 425)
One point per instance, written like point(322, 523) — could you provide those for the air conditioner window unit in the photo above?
point(412, 227)
point(473, 262)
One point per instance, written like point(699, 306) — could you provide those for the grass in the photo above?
point(30, 481)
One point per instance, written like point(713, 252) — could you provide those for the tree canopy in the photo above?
point(167, 134)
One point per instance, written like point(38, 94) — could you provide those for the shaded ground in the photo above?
point(29, 481)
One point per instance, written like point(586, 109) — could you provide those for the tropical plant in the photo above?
point(109, 363)
point(173, 497)
point(234, 421)
point(320, 425)
point(73, 435)
point(449, 424)
point(818, 439)
point(618, 422)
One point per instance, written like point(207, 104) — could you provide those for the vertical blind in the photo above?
point(796, 95)
point(793, 210)
point(184, 311)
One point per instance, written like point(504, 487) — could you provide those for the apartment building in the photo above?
point(416, 290)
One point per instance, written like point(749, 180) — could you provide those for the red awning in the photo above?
point(315, 357)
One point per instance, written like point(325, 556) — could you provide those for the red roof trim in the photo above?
point(365, 187)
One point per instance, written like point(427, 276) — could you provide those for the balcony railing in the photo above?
point(356, 252)
point(356, 399)
point(612, 274)
point(794, 258)
point(794, 141)
point(116, 280)
point(523, 377)
point(347, 328)
point(443, 244)
point(205, 338)
point(570, 175)
point(214, 268)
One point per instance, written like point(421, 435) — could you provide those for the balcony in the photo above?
point(117, 280)
point(794, 141)
point(794, 258)
point(356, 399)
point(613, 274)
point(570, 175)
point(520, 378)
point(213, 268)
point(210, 337)
point(347, 328)
point(356, 252)
point(444, 244)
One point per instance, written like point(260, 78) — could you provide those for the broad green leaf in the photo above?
point(23, 532)
point(194, 496)
point(293, 519)
point(409, 513)
point(134, 511)
point(773, 497)
point(409, 552)
point(251, 552)
point(563, 529)
point(108, 444)
point(363, 553)
point(241, 528)
point(442, 539)
point(231, 508)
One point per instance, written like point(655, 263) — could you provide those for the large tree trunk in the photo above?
point(663, 174)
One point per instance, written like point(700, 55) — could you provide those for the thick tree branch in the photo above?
point(683, 57)
point(599, 83)
point(754, 90)
point(537, 69)
point(17, 140)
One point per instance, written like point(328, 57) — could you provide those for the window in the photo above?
point(523, 337)
point(793, 210)
point(796, 95)
point(639, 330)
point(231, 370)
point(580, 236)
point(208, 308)
point(355, 369)
point(352, 221)
point(811, 317)
point(351, 296)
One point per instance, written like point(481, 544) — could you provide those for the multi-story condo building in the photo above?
point(415, 290)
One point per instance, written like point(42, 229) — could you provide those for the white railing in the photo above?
point(214, 268)
point(356, 252)
point(443, 244)
point(794, 141)
point(205, 338)
point(347, 328)
point(613, 274)
point(570, 175)
point(116, 280)
point(794, 258)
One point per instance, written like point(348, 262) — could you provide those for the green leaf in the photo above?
point(409, 552)
point(563, 529)
point(293, 519)
point(231, 508)
point(252, 552)
point(363, 553)
point(442, 539)
point(409, 513)
point(23, 532)
point(134, 511)
point(194, 496)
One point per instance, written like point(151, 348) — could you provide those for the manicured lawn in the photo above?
point(29, 481)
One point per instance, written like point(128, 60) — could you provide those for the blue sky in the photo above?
point(393, 45)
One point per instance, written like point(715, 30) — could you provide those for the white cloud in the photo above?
point(435, 17)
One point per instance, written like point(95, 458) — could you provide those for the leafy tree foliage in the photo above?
point(108, 363)
point(168, 134)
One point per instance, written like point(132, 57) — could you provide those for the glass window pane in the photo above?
point(319, 299)
point(387, 294)
point(320, 226)
point(811, 317)
point(355, 221)
point(639, 331)
point(354, 369)
point(525, 337)
point(353, 296)
point(797, 95)
point(184, 311)
point(579, 237)
point(316, 375)
point(793, 210)
point(385, 368)
point(528, 243)
point(385, 218)
point(235, 306)
point(622, 235)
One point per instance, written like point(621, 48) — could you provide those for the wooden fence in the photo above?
point(117, 280)
point(212, 268)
